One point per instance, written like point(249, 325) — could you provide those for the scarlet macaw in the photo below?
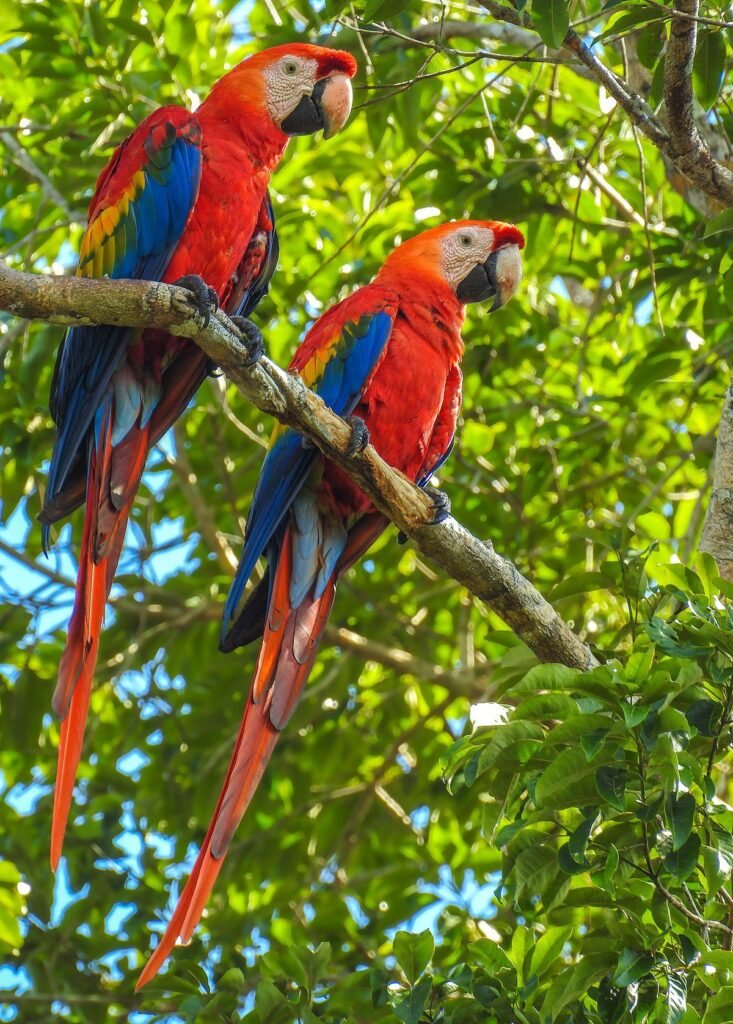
point(390, 355)
point(183, 200)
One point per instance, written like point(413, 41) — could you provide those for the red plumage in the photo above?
point(409, 399)
point(185, 194)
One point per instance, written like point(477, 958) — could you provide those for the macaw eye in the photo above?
point(290, 67)
point(465, 240)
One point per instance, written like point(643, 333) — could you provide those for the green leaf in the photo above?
point(579, 839)
point(603, 877)
point(547, 677)
point(632, 966)
point(592, 742)
point(269, 1000)
point(568, 863)
point(409, 1009)
point(566, 782)
point(232, 979)
point(534, 869)
point(552, 21)
point(507, 832)
point(718, 1007)
point(378, 983)
point(549, 947)
point(709, 66)
point(383, 9)
point(611, 784)
point(626, 21)
point(580, 583)
point(9, 873)
point(681, 815)
point(413, 951)
point(720, 223)
point(490, 955)
point(639, 665)
point(649, 44)
point(573, 984)
point(676, 998)
point(683, 862)
point(665, 637)
point(9, 929)
point(519, 950)
point(611, 1002)
point(544, 706)
point(500, 740)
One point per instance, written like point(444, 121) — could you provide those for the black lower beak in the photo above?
point(307, 118)
point(481, 284)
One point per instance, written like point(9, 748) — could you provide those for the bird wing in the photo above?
point(338, 364)
point(142, 203)
point(252, 277)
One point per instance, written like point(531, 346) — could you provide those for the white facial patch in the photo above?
point(287, 81)
point(463, 250)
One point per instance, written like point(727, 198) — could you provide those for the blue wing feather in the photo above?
point(288, 462)
point(145, 239)
point(423, 480)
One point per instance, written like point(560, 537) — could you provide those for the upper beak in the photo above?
point(333, 96)
point(497, 278)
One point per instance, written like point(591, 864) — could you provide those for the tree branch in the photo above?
point(682, 143)
point(472, 563)
point(717, 533)
point(688, 150)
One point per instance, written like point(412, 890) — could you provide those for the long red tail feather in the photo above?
point(105, 521)
point(286, 657)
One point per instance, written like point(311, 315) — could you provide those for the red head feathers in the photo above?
point(292, 89)
point(473, 260)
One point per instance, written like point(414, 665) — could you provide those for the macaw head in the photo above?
point(479, 260)
point(299, 88)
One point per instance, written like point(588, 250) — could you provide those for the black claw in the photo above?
point(359, 435)
point(441, 505)
point(251, 339)
point(204, 296)
point(441, 510)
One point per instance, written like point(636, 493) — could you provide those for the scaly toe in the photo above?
point(205, 297)
point(441, 505)
point(359, 435)
point(252, 339)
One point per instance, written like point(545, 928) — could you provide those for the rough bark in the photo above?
point(471, 562)
point(687, 149)
point(717, 533)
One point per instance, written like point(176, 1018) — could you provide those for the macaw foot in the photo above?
point(251, 338)
point(441, 505)
point(205, 297)
point(359, 436)
point(441, 510)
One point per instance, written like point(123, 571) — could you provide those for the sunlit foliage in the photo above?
point(584, 453)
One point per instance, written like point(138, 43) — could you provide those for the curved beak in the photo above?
point(328, 108)
point(498, 278)
point(335, 103)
